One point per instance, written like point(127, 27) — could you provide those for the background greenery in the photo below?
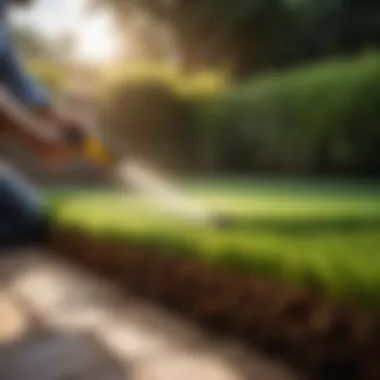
point(258, 87)
point(321, 118)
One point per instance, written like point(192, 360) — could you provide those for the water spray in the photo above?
point(138, 176)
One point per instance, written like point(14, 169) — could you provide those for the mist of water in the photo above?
point(161, 192)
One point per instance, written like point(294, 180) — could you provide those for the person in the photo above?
point(28, 116)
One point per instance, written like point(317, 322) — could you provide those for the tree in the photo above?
point(209, 32)
point(146, 36)
point(257, 35)
point(359, 25)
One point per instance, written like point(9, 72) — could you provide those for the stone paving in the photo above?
point(50, 311)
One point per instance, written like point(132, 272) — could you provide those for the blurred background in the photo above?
point(268, 110)
point(218, 87)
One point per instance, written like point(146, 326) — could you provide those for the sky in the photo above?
point(96, 38)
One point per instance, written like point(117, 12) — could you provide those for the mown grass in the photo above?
point(322, 235)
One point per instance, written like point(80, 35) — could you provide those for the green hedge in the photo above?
point(187, 85)
point(317, 118)
point(153, 108)
point(323, 117)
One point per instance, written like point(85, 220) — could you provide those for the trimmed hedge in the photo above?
point(320, 118)
point(323, 117)
point(187, 85)
point(153, 109)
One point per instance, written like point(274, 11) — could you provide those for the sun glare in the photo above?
point(96, 41)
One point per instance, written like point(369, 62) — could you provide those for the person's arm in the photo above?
point(16, 79)
point(26, 109)
point(20, 123)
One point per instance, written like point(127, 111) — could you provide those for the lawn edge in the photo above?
point(324, 337)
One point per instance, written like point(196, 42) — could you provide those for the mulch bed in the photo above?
point(327, 339)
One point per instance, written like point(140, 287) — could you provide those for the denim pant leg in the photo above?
point(21, 211)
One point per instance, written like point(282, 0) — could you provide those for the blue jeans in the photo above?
point(21, 211)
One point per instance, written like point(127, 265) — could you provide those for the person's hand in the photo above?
point(65, 123)
point(80, 140)
point(50, 145)
point(61, 128)
point(44, 130)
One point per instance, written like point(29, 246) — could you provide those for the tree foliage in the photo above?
point(259, 34)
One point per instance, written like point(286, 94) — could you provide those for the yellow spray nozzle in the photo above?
point(96, 151)
point(89, 146)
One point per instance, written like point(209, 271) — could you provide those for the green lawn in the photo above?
point(322, 234)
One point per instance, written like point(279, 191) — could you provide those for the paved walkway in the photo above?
point(79, 327)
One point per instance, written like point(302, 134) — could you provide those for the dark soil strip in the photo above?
point(327, 339)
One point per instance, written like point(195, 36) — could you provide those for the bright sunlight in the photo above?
point(95, 35)
point(96, 41)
